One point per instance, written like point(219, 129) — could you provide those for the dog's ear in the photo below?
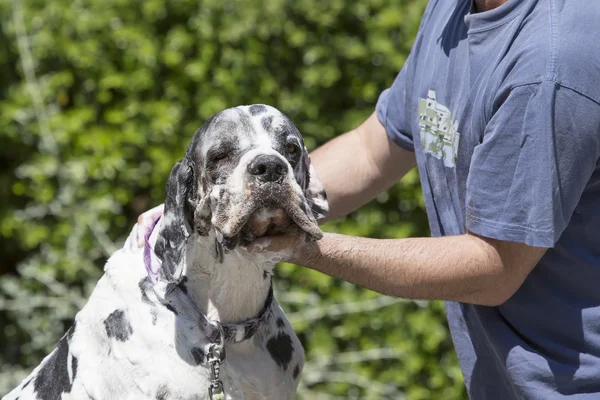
point(177, 224)
point(314, 191)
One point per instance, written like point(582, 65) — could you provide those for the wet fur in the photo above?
point(136, 339)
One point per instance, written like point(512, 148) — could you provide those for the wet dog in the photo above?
point(193, 316)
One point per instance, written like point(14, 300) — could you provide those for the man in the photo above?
point(499, 107)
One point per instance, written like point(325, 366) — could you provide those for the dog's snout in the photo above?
point(268, 167)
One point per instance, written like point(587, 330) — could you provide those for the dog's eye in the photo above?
point(291, 148)
point(218, 156)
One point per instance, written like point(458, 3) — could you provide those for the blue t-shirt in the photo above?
point(502, 109)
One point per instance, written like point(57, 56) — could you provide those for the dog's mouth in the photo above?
point(267, 221)
point(264, 211)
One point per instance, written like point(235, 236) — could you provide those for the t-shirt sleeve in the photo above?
point(393, 109)
point(535, 159)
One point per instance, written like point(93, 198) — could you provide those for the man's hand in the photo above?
point(284, 248)
point(135, 240)
point(466, 268)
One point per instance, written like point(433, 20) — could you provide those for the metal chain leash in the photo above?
point(216, 357)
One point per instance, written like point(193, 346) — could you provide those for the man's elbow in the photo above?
point(497, 297)
point(502, 290)
point(508, 265)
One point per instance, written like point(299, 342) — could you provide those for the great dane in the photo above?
point(192, 314)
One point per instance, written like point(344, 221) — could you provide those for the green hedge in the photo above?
point(101, 98)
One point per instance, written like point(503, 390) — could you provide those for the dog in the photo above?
point(192, 315)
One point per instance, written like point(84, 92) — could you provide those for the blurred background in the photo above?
point(98, 100)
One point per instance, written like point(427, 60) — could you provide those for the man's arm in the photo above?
point(465, 268)
point(357, 166)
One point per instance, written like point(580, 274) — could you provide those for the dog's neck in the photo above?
point(226, 286)
point(229, 289)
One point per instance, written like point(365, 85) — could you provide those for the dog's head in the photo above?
point(246, 174)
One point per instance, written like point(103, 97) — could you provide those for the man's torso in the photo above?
point(462, 74)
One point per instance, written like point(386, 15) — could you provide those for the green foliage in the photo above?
point(100, 100)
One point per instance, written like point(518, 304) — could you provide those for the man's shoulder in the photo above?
point(556, 42)
point(576, 54)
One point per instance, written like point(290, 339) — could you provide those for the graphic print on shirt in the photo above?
point(439, 134)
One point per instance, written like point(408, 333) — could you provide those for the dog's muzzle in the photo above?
point(268, 168)
point(261, 198)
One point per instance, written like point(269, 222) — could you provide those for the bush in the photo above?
point(101, 98)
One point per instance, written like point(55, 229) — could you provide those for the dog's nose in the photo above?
point(268, 167)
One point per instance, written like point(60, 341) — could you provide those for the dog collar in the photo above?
point(235, 333)
point(221, 333)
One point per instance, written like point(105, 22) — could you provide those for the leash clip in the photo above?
point(215, 357)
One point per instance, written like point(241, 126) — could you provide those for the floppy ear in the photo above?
point(171, 244)
point(315, 192)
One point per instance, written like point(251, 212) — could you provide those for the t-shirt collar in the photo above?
point(487, 20)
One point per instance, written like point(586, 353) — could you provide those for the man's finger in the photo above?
point(149, 216)
point(273, 244)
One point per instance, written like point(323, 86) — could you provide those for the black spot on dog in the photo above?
point(198, 355)
point(26, 383)
point(265, 274)
point(74, 364)
point(296, 371)
point(219, 251)
point(53, 377)
point(182, 284)
point(257, 109)
point(285, 129)
point(280, 323)
point(170, 308)
point(266, 122)
point(117, 326)
point(162, 392)
point(144, 285)
point(245, 121)
point(281, 349)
